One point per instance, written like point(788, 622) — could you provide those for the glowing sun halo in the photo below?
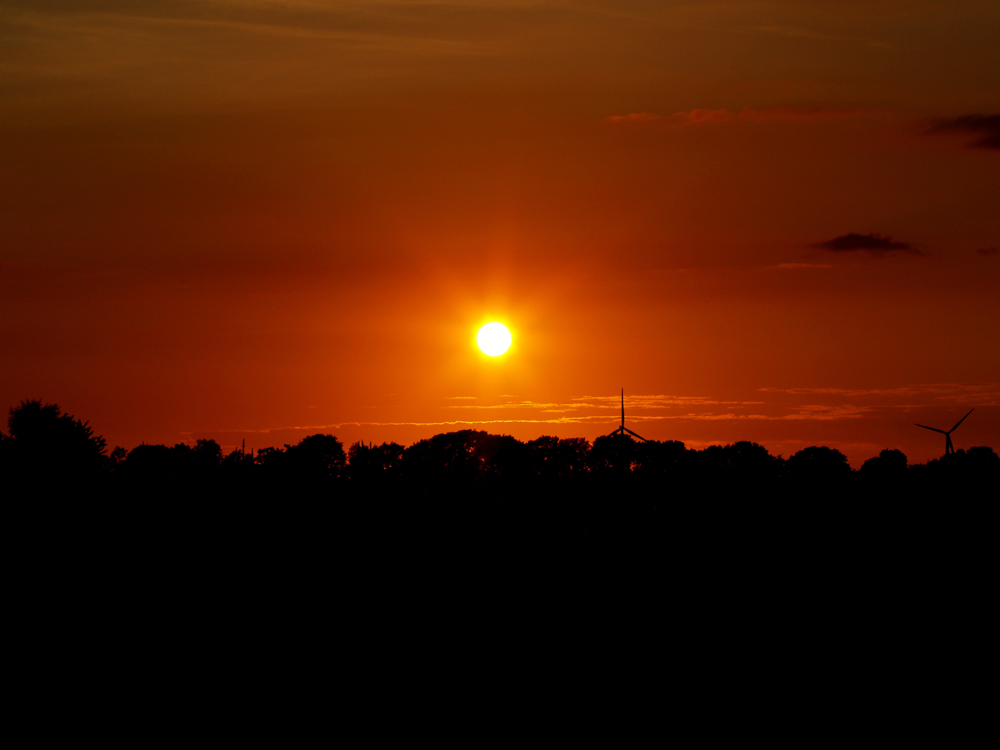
point(493, 339)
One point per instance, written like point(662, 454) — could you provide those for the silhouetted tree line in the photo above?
point(49, 450)
point(724, 543)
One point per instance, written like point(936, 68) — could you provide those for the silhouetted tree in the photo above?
point(962, 474)
point(748, 463)
point(503, 460)
point(444, 458)
point(666, 458)
point(316, 458)
point(983, 455)
point(238, 464)
point(271, 469)
point(374, 463)
point(46, 445)
point(818, 469)
point(207, 455)
point(462, 461)
point(618, 488)
point(889, 465)
point(614, 455)
point(269, 456)
point(151, 463)
point(554, 458)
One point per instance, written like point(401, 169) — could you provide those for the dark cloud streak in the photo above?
point(984, 128)
point(873, 243)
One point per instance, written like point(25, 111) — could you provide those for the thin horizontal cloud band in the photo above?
point(987, 394)
point(702, 116)
point(832, 414)
point(610, 402)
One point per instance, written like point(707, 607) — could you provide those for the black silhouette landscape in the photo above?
point(381, 558)
point(47, 451)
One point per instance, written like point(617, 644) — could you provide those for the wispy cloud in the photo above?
point(818, 412)
point(825, 412)
point(606, 403)
point(703, 116)
point(841, 404)
point(513, 405)
point(636, 118)
point(434, 423)
point(803, 265)
point(803, 33)
point(649, 402)
point(986, 394)
point(815, 412)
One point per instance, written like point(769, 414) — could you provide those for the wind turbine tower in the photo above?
point(948, 446)
point(623, 429)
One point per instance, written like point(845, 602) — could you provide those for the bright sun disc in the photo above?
point(493, 339)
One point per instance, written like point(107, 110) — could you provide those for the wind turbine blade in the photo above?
point(632, 433)
point(960, 421)
point(933, 429)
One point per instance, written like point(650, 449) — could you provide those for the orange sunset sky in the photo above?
point(260, 219)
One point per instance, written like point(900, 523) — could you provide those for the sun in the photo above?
point(493, 339)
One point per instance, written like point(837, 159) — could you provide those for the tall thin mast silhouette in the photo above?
point(948, 446)
point(623, 429)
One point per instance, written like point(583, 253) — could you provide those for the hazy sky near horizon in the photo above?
point(252, 219)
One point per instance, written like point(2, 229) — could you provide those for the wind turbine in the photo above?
point(948, 447)
point(623, 429)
